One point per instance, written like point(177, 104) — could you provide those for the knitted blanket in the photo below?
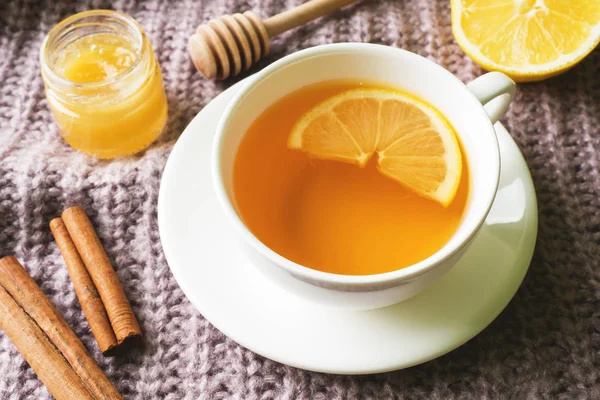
point(546, 344)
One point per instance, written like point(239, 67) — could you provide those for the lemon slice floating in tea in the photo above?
point(526, 39)
point(414, 143)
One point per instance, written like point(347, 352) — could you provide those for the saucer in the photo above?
point(215, 274)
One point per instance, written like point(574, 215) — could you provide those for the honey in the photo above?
point(329, 215)
point(103, 84)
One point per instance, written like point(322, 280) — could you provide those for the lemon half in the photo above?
point(528, 40)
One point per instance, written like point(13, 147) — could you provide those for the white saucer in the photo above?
point(236, 298)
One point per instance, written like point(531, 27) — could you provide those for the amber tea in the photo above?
point(346, 214)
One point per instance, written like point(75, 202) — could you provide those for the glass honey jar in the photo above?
point(103, 84)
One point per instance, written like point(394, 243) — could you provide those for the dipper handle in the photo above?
point(302, 14)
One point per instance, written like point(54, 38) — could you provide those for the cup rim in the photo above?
point(313, 275)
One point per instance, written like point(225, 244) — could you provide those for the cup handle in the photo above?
point(495, 91)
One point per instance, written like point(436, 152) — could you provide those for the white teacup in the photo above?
point(460, 104)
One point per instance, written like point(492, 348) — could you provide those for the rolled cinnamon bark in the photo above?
point(120, 314)
point(45, 360)
point(86, 291)
point(32, 300)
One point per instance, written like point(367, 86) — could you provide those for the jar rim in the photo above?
point(62, 27)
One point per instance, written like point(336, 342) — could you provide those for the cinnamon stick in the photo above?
point(45, 360)
point(86, 291)
point(27, 294)
point(120, 314)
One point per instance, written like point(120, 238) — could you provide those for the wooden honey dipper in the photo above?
point(227, 45)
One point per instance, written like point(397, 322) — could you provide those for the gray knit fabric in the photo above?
point(546, 344)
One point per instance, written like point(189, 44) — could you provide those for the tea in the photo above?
point(329, 215)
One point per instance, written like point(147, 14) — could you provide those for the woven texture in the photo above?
point(546, 344)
